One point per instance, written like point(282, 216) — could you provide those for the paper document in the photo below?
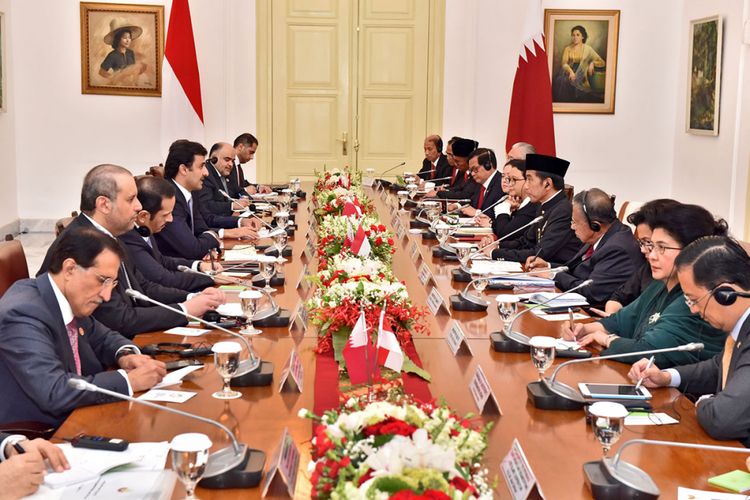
point(539, 312)
point(187, 332)
point(691, 494)
point(557, 300)
point(167, 396)
point(86, 465)
point(496, 267)
point(143, 485)
point(230, 309)
point(646, 418)
point(175, 377)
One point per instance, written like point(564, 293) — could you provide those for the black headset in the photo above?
point(596, 226)
point(213, 160)
point(489, 160)
point(726, 295)
point(143, 231)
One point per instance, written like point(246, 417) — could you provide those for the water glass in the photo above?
point(189, 459)
point(607, 421)
point(542, 353)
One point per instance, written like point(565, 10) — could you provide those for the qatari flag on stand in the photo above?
point(359, 353)
point(530, 118)
point(181, 104)
point(389, 351)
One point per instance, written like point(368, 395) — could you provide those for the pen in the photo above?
point(640, 380)
point(211, 256)
point(19, 449)
point(571, 321)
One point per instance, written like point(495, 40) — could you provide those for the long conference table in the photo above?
point(556, 443)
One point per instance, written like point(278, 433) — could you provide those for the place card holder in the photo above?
point(401, 232)
point(309, 251)
point(414, 252)
point(395, 220)
point(292, 367)
point(457, 340)
point(519, 478)
point(299, 318)
point(436, 302)
point(482, 393)
point(424, 274)
point(284, 465)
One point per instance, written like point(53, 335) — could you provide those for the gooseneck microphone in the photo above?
point(393, 168)
point(490, 245)
point(218, 463)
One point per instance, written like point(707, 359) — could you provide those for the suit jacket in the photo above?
point(441, 170)
point(237, 180)
point(551, 237)
point(507, 223)
point(492, 194)
point(186, 237)
point(214, 206)
point(615, 259)
point(162, 268)
point(122, 313)
point(727, 414)
point(36, 359)
point(463, 188)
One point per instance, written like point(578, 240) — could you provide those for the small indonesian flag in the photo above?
point(351, 208)
point(359, 353)
point(360, 244)
point(389, 352)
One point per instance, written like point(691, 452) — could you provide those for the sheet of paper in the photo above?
point(230, 309)
point(233, 255)
point(143, 485)
point(233, 274)
point(556, 317)
point(175, 377)
point(167, 396)
point(86, 465)
point(187, 332)
point(645, 418)
point(495, 267)
point(567, 344)
point(691, 494)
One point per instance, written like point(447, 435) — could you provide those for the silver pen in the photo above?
point(648, 365)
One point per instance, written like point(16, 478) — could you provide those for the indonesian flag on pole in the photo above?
point(361, 245)
point(181, 105)
point(359, 353)
point(389, 352)
point(530, 118)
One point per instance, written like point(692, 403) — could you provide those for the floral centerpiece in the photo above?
point(335, 230)
point(397, 448)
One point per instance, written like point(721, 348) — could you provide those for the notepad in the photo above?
point(737, 480)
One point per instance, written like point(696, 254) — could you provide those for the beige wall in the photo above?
point(8, 195)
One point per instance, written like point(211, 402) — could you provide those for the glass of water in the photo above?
point(249, 302)
point(542, 353)
point(189, 459)
point(226, 361)
point(507, 306)
point(607, 421)
point(402, 195)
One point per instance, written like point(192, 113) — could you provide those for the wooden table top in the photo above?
point(556, 443)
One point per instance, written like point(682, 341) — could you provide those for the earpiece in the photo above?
point(143, 231)
point(213, 160)
point(726, 295)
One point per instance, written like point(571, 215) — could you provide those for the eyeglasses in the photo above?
point(104, 281)
point(692, 303)
point(511, 180)
point(650, 246)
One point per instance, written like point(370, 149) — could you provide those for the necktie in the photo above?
point(223, 183)
point(190, 209)
point(481, 197)
point(588, 253)
point(434, 170)
point(72, 329)
point(466, 176)
point(453, 176)
point(726, 359)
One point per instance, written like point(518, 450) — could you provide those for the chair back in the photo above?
point(569, 192)
point(627, 208)
point(61, 224)
point(13, 266)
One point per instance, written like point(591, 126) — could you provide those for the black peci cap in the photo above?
point(463, 147)
point(547, 164)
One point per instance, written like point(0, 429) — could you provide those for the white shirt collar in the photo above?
point(98, 226)
point(596, 245)
point(187, 194)
point(738, 326)
point(486, 183)
point(525, 202)
point(62, 302)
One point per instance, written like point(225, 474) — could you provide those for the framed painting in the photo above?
point(582, 57)
point(704, 76)
point(121, 49)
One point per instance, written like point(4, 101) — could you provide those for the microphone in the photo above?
point(549, 394)
point(615, 478)
point(220, 462)
point(502, 199)
point(251, 369)
point(394, 167)
point(489, 245)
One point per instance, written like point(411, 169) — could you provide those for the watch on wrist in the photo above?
point(125, 351)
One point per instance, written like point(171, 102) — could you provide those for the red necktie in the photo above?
point(588, 253)
point(72, 328)
point(434, 171)
point(481, 197)
point(466, 176)
point(453, 176)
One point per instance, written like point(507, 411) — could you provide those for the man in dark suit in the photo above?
point(483, 168)
point(245, 146)
point(48, 334)
point(22, 474)
point(714, 274)
point(551, 238)
point(435, 164)
point(157, 197)
point(609, 256)
point(110, 205)
point(461, 185)
point(188, 236)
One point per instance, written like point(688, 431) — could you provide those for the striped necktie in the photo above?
point(72, 329)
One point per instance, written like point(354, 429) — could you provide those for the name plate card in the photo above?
point(435, 302)
point(302, 282)
point(457, 340)
point(284, 464)
point(414, 252)
point(299, 317)
point(309, 251)
point(395, 220)
point(519, 477)
point(424, 273)
point(400, 232)
point(482, 393)
point(293, 367)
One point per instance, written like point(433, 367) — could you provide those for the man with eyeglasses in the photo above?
point(714, 273)
point(48, 335)
point(483, 169)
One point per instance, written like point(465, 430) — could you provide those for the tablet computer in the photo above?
point(613, 391)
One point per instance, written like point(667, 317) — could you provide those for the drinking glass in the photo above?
point(481, 280)
point(402, 195)
point(442, 231)
point(249, 301)
point(542, 353)
point(607, 421)
point(464, 251)
point(282, 218)
point(279, 241)
point(267, 271)
point(226, 361)
point(189, 459)
point(412, 190)
point(507, 306)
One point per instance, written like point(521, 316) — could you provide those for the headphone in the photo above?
point(726, 295)
point(213, 160)
point(143, 231)
point(595, 225)
point(490, 161)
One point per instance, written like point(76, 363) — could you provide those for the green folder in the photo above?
point(737, 481)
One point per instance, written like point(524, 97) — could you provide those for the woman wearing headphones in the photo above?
point(715, 276)
point(659, 318)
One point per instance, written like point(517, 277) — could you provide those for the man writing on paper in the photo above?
point(22, 474)
point(47, 334)
point(714, 273)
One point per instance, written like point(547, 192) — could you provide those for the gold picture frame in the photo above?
point(582, 58)
point(704, 76)
point(113, 63)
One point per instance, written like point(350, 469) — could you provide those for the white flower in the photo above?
point(302, 413)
